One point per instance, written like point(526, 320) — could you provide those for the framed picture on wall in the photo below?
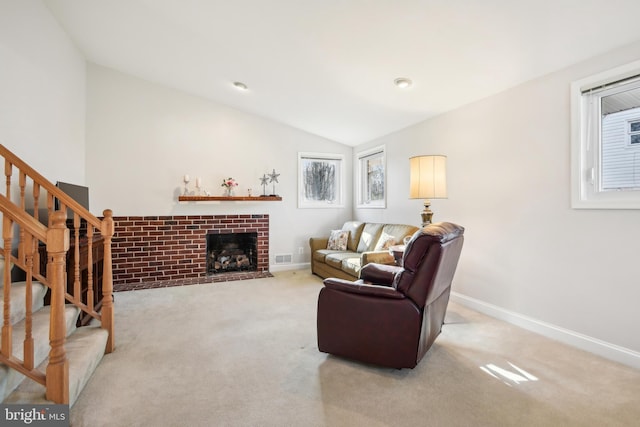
point(320, 180)
point(371, 178)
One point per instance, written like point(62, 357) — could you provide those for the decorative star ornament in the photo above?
point(264, 181)
point(273, 176)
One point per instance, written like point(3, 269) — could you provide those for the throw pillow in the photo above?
point(338, 240)
point(385, 241)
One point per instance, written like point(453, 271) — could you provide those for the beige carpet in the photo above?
point(245, 354)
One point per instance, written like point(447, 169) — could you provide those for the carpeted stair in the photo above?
point(85, 347)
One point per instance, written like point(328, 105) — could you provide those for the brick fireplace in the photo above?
point(159, 251)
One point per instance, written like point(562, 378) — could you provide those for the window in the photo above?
point(606, 140)
point(634, 133)
point(320, 180)
point(371, 178)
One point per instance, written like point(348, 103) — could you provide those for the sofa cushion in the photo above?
point(370, 235)
point(392, 232)
point(320, 254)
point(355, 230)
point(335, 259)
point(352, 265)
point(385, 241)
point(338, 240)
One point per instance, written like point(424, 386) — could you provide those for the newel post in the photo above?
point(107, 232)
point(58, 368)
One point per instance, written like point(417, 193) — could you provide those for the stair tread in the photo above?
point(10, 378)
point(40, 327)
point(18, 298)
point(85, 349)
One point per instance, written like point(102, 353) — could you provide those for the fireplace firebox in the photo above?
point(232, 252)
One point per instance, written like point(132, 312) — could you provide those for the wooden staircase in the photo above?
point(42, 342)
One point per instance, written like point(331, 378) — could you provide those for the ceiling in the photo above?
point(327, 66)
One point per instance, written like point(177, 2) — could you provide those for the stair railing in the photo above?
point(50, 270)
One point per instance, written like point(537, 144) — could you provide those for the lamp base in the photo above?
point(426, 214)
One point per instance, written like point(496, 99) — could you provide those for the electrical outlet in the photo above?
point(300, 250)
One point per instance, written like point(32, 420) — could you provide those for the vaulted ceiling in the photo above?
point(328, 66)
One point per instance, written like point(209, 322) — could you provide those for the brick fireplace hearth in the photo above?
point(160, 251)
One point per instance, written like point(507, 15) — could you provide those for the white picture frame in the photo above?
point(320, 180)
point(371, 180)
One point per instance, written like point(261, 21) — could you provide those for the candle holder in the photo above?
point(186, 181)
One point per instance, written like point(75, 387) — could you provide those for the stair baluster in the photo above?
point(28, 333)
point(90, 269)
point(7, 328)
point(77, 296)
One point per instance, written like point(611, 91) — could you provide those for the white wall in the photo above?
point(142, 138)
point(528, 257)
point(42, 92)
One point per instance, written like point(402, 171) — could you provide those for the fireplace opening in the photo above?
point(232, 252)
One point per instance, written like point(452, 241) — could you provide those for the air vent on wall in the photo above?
point(284, 258)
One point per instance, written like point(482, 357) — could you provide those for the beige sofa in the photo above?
point(366, 242)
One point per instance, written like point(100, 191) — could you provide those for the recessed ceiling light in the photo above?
point(240, 86)
point(403, 82)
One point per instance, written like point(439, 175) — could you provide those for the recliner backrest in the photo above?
point(429, 262)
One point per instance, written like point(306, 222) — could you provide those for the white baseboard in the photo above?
point(287, 267)
point(593, 345)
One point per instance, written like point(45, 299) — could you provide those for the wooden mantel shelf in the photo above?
point(229, 198)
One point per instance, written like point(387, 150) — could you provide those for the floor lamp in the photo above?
point(428, 180)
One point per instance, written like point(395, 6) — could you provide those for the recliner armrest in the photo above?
point(377, 257)
point(361, 288)
point(382, 274)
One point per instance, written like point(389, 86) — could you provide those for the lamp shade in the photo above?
point(428, 179)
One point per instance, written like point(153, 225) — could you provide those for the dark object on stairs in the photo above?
point(392, 314)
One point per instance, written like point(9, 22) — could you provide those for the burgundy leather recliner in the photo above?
point(392, 314)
